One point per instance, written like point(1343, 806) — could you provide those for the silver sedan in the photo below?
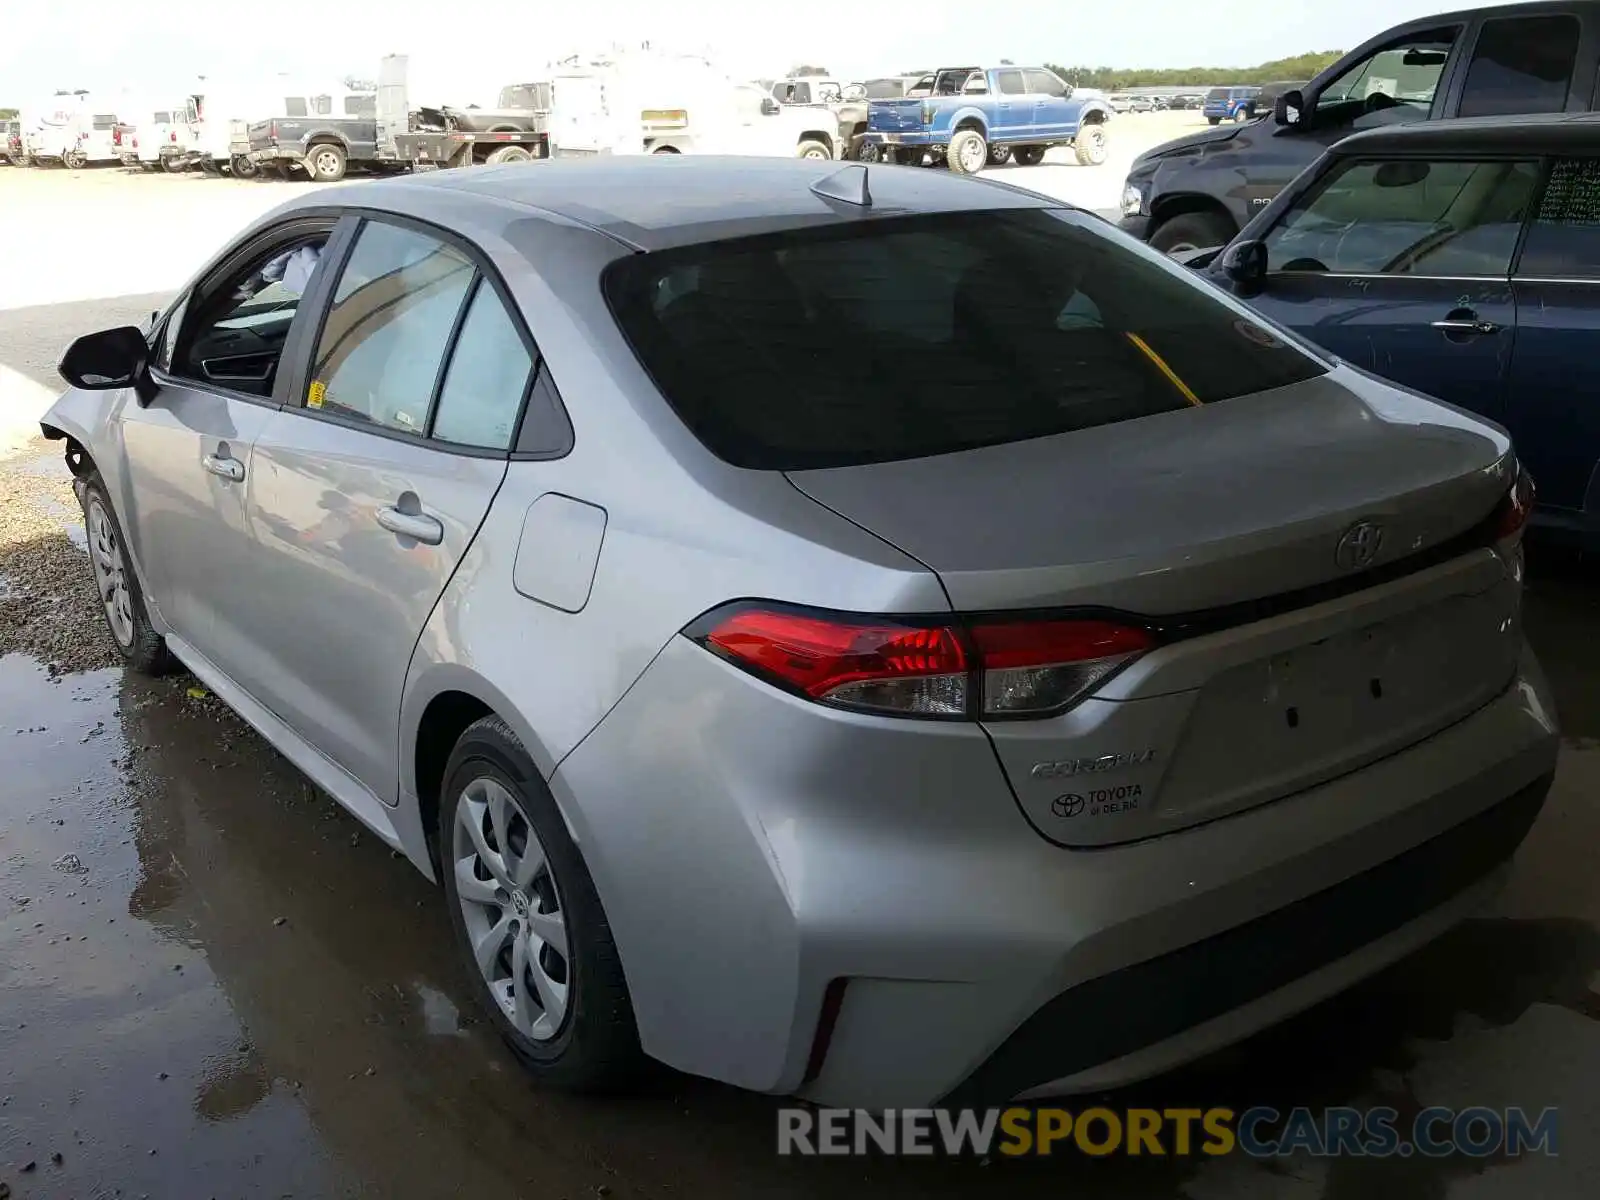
point(844, 631)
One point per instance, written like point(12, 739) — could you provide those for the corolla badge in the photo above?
point(1359, 545)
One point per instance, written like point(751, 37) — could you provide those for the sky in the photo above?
point(140, 48)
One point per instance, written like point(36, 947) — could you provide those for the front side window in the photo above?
point(487, 376)
point(234, 337)
point(1406, 72)
point(1521, 65)
point(1563, 239)
point(384, 338)
point(1044, 83)
point(1407, 217)
point(969, 329)
point(1011, 83)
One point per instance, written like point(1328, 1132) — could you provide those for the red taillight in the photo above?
point(116, 137)
point(983, 669)
point(272, 130)
point(1515, 509)
point(172, 135)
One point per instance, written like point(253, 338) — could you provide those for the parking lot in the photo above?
point(214, 983)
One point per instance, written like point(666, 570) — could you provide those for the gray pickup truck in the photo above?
point(325, 144)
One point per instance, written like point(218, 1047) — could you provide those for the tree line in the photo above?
point(1299, 68)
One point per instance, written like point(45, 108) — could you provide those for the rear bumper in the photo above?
point(274, 154)
point(821, 850)
point(911, 137)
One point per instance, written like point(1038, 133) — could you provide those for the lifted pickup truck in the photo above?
point(978, 117)
point(1201, 189)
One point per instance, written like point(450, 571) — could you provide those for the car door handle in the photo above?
point(420, 526)
point(228, 468)
point(1466, 325)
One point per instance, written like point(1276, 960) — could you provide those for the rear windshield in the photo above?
point(1218, 94)
point(905, 337)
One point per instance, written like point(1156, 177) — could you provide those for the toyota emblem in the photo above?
point(1359, 545)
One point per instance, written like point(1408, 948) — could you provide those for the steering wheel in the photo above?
point(1378, 101)
point(1303, 264)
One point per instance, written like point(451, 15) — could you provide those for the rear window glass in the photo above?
point(906, 337)
point(1218, 94)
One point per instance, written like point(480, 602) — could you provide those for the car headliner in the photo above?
point(652, 202)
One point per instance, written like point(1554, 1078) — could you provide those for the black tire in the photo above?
point(243, 168)
point(968, 152)
point(596, 1046)
point(326, 162)
point(143, 649)
point(1213, 120)
point(999, 156)
point(1028, 156)
point(1091, 147)
point(1242, 115)
point(507, 154)
point(1192, 231)
point(811, 148)
point(172, 165)
point(909, 156)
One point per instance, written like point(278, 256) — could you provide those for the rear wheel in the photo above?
point(1091, 145)
point(811, 148)
point(508, 154)
point(1213, 120)
point(968, 152)
point(243, 168)
point(1028, 156)
point(1192, 231)
point(527, 919)
point(326, 163)
point(120, 598)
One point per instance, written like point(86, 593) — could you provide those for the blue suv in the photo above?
point(1461, 258)
point(1230, 104)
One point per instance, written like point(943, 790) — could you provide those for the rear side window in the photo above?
point(1011, 83)
point(1521, 65)
point(1407, 217)
point(1563, 239)
point(385, 335)
point(486, 378)
point(962, 330)
point(295, 106)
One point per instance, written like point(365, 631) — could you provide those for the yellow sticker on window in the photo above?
point(317, 393)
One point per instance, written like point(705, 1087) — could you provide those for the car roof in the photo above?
point(653, 202)
point(1546, 133)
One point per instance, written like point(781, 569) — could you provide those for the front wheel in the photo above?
point(1192, 231)
point(1241, 116)
point(121, 600)
point(527, 919)
point(1091, 146)
point(326, 163)
point(968, 152)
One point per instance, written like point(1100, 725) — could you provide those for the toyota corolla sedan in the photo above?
point(843, 631)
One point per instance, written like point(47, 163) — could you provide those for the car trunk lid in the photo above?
point(1285, 655)
point(894, 116)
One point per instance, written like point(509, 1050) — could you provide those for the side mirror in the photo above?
point(1245, 264)
point(769, 107)
point(1288, 109)
point(110, 359)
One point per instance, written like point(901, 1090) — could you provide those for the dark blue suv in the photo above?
point(1461, 258)
point(1230, 104)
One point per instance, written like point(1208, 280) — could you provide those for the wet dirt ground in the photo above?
point(214, 984)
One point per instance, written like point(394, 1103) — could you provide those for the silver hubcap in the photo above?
point(327, 163)
point(110, 573)
point(515, 923)
point(972, 155)
point(813, 152)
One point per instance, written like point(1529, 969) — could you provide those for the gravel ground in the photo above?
point(49, 609)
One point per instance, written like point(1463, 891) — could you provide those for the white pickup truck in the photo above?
point(677, 104)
